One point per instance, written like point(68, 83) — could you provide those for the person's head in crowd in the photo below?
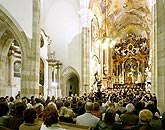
point(7, 98)
point(52, 104)
point(32, 100)
point(30, 115)
point(59, 104)
point(89, 107)
point(11, 103)
point(96, 106)
point(67, 104)
point(50, 116)
point(139, 106)
point(39, 107)
point(110, 115)
point(110, 104)
point(38, 100)
point(150, 106)
point(19, 109)
point(145, 116)
point(17, 96)
point(2, 99)
point(11, 99)
point(130, 107)
point(53, 99)
point(24, 100)
point(4, 109)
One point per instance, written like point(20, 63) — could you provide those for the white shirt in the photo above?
point(87, 119)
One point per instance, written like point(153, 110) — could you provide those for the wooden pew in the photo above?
point(71, 126)
point(127, 127)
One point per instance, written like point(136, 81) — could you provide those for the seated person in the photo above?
point(109, 122)
point(50, 119)
point(4, 114)
point(17, 118)
point(66, 114)
point(129, 118)
point(145, 116)
point(87, 119)
point(96, 110)
point(30, 120)
point(155, 122)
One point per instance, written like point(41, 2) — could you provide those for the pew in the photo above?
point(71, 126)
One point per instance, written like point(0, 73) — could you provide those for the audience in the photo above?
point(145, 116)
point(87, 119)
point(155, 122)
point(17, 118)
point(4, 114)
point(96, 110)
point(129, 118)
point(109, 122)
point(30, 120)
point(117, 107)
point(50, 119)
point(66, 114)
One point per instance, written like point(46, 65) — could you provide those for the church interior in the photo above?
point(72, 47)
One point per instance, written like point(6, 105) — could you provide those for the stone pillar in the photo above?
point(154, 53)
point(31, 57)
point(49, 88)
point(86, 17)
point(10, 73)
point(161, 54)
point(3, 80)
point(58, 65)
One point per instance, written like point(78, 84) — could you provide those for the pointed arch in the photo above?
point(11, 31)
point(68, 73)
point(18, 33)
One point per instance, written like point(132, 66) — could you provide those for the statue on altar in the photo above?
point(148, 74)
point(121, 78)
point(139, 79)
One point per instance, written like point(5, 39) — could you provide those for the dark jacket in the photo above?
point(103, 126)
point(4, 128)
point(143, 127)
point(4, 120)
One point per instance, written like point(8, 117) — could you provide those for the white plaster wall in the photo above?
point(61, 21)
point(21, 10)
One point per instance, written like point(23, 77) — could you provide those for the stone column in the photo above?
point(31, 57)
point(86, 17)
point(161, 54)
point(11, 73)
point(58, 65)
point(154, 53)
point(3, 80)
point(49, 88)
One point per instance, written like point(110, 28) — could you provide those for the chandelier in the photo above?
point(104, 39)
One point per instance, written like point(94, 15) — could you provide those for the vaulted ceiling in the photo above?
point(121, 17)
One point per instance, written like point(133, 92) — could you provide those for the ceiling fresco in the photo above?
point(120, 17)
